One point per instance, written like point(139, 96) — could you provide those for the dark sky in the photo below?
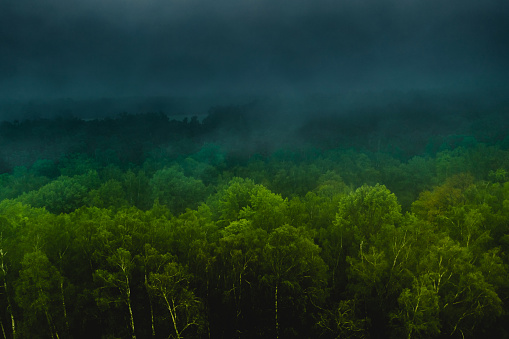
point(95, 48)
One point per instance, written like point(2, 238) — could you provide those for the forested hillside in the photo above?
point(247, 224)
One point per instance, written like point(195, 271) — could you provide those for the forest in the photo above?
point(383, 222)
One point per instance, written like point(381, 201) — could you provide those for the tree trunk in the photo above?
point(171, 309)
point(3, 329)
point(63, 304)
point(151, 308)
point(9, 305)
point(276, 310)
point(128, 291)
point(50, 325)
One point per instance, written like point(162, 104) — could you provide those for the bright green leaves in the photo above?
point(242, 199)
point(266, 210)
point(363, 214)
point(368, 209)
point(233, 198)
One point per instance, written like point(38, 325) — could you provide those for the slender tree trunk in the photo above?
point(238, 312)
point(276, 310)
point(52, 329)
point(13, 325)
point(9, 305)
point(63, 304)
point(50, 325)
point(3, 329)
point(171, 308)
point(151, 308)
point(128, 291)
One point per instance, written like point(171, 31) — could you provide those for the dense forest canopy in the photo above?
point(380, 223)
point(254, 169)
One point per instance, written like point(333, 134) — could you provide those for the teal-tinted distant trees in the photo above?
point(137, 189)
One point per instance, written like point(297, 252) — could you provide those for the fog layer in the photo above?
point(77, 49)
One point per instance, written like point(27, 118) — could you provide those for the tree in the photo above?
point(363, 213)
point(448, 285)
point(230, 201)
point(177, 191)
point(295, 273)
point(37, 293)
point(62, 195)
point(341, 321)
point(137, 189)
point(432, 205)
point(6, 289)
point(364, 218)
point(238, 256)
point(151, 261)
point(266, 210)
point(184, 308)
point(419, 310)
point(116, 281)
point(109, 195)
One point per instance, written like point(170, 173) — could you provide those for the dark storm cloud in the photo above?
point(124, 47)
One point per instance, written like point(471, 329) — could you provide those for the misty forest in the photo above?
point(254, 169)
point(242, 224)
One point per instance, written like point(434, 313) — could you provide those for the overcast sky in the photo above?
point(94, 48)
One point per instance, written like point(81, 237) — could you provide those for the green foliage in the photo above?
point(109, 195)
point(62, 195)
point(137, 189)
point(342, 322)
point(230, 201)
point(419, 310)
point(266, 210)
point(295, 273)
point(177, 237)
point(363, 214)
point(37, 293)
point(172, 188)
point(185, 311)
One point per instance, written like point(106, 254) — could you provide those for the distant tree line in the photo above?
point(245, 130)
